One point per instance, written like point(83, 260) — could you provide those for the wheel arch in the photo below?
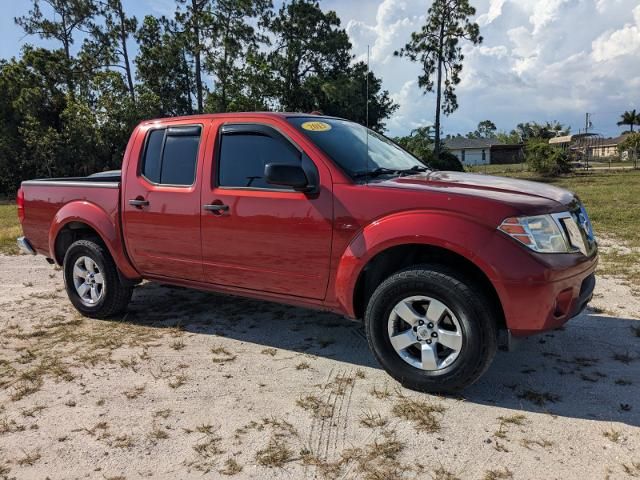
point(396, 258)
point(83, 220)
point(411, 238)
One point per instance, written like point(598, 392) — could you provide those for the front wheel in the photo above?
point(92, 281)
point(431, 329)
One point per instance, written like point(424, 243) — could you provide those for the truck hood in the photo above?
point(519, 193)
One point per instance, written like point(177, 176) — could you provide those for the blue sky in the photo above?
point(540, 60)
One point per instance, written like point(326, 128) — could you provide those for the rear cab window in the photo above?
point(171, 155)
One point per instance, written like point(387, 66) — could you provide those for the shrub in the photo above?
point(546, 159)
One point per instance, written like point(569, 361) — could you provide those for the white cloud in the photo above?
point(495, 10)
point(616, 43)
point(540, 60)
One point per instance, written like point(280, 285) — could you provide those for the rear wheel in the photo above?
point(430, 329)
point(92, 281)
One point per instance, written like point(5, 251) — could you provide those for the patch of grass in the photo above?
point(209, 447)
point(632, 469)
point(131, 362)
point(360, 373)
point(221, 355)
point(31, 412)
point(517, 419)
point(25, 388)
point(503, 474)
point(539, 398)
point(275, 454)
point(319, 408)
point(379, 393)
point(269, 351)
point(303, 366)
point(178, 380)
point(377, 460)
point(158, 434)
point(371, 419)
point(231, 467)
point(623, 382)
point(135, 392)
point(9, 229)
point(442, 473)
point(29, 459)
point(177, 344)
point(162, 413)
point(625, 358)
point(10, 426)
point(5, 470)
point(123, 441)
point(528, 443)
point(613, 435)
point(340, 384)
point(424, 415)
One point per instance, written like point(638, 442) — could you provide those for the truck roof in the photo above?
point(208, 116)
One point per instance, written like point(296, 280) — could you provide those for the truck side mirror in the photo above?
point(288, 175)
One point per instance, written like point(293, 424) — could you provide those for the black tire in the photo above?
point(115, 295)
point(474, 314)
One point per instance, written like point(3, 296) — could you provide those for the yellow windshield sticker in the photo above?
point(316, 126)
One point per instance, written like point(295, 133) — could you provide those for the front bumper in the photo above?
point(550, 305)
point(25, 246)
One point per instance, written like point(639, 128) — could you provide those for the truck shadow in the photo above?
point(590, 369)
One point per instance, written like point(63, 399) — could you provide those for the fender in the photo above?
point(103, 223)
point(426, 227)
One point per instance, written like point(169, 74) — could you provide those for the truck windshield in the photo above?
point(346, 143)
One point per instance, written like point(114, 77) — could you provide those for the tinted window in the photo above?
point(171, 155)
point(243, 157)
point(151, 165)
point(179, 160)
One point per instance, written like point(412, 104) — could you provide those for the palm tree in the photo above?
point(630, 118)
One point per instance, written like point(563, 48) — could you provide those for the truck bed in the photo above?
point(44, 199)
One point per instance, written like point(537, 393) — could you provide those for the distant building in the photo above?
point(588, 145)
point(483, 151)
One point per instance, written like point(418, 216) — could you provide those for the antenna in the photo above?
point(366, 102)
point(367, 92)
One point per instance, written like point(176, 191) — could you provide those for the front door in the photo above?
point(161, 203)
point(259, 236)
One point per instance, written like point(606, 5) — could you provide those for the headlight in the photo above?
point(540, 233)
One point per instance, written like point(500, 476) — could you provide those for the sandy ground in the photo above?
point(197, 385)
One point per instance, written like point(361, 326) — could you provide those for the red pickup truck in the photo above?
point(320, 212)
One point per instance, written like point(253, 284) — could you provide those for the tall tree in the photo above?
point(233, 38)
point(486, 129)
point(437, 48)
point(108, 44)
point(194, 19)
point(630, 118)
point(68, 17)
point(345, 95)
point(162, 68)
point(308, 42)
point(534, 130)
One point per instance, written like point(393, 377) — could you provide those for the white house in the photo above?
point(471, 151)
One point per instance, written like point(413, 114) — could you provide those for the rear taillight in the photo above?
point(20, 204)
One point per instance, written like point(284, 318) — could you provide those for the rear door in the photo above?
point(161, 203)
point(260, 236)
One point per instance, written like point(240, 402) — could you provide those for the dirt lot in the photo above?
point(192, 385)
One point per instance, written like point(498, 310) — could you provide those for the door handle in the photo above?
point(138, 203)
point(216, 207)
